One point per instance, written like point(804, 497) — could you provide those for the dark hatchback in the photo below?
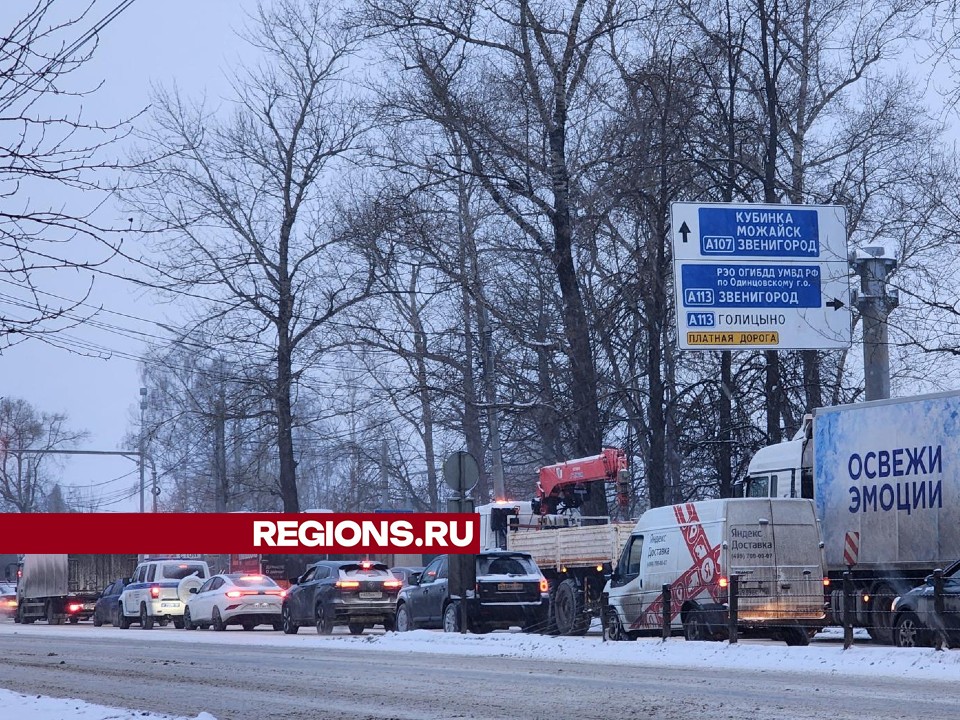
point(914, 619)
point(355, 593)
point(106, 608)
point(510, 591)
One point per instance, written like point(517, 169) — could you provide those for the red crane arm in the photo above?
point(606, 466)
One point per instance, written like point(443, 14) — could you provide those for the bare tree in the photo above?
point(53, 177)
point(243, 208)
point(517, 84)
point(26, 438)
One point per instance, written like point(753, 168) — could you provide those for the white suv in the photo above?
point(158, 591)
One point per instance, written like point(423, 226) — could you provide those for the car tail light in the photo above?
point(723, 583)
point(348, 583)
point(281, 593)
point(234, 594)
point(544, 585)
point(366, 564)
point(393, 584)
point(74, 607)
point(155, 591)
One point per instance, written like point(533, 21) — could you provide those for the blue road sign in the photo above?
point(761, 232)
point(750, 286)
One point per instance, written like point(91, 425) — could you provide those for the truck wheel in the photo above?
point(880, 627)
point(570, 617)
point(146, 620)
point(286, 617)
point(796, 636)
point(451, 618)
point(122, 621)
point(53, 618)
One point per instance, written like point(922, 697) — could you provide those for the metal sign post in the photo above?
point(461, 473)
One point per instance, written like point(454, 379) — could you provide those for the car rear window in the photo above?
point(357, 571)
point(253, 581)
point(178, 571)
point(506, 565)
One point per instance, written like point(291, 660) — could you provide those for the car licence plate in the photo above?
point(169, 604)
point(371, 595)
point(509, 586)
point(261, 604)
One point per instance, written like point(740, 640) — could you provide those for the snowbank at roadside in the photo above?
point(34, 707)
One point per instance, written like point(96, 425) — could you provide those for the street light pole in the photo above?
point(143, 443)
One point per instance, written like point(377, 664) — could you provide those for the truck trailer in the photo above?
point(66, 587)
point(885, 478)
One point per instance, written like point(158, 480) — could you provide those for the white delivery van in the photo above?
point(772, 544)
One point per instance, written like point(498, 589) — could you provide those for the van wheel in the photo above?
point(356, 628)
point(571, 619)
point(612, 627)
point(74, 620)
point(694, 629)
point(146, 620)
point(796, 636)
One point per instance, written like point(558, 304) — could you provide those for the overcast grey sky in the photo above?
point(186, 42)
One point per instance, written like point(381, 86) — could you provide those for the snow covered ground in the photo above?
point(826, 655)
point(15, 705)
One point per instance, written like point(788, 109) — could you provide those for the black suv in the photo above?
point(355, 593)
point(510, 591)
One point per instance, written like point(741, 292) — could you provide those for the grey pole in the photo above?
point(875, 301)
point(384, 477)
point(143, 443)
point(493, 420)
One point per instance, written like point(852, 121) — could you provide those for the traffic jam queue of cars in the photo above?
point(356, 594)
